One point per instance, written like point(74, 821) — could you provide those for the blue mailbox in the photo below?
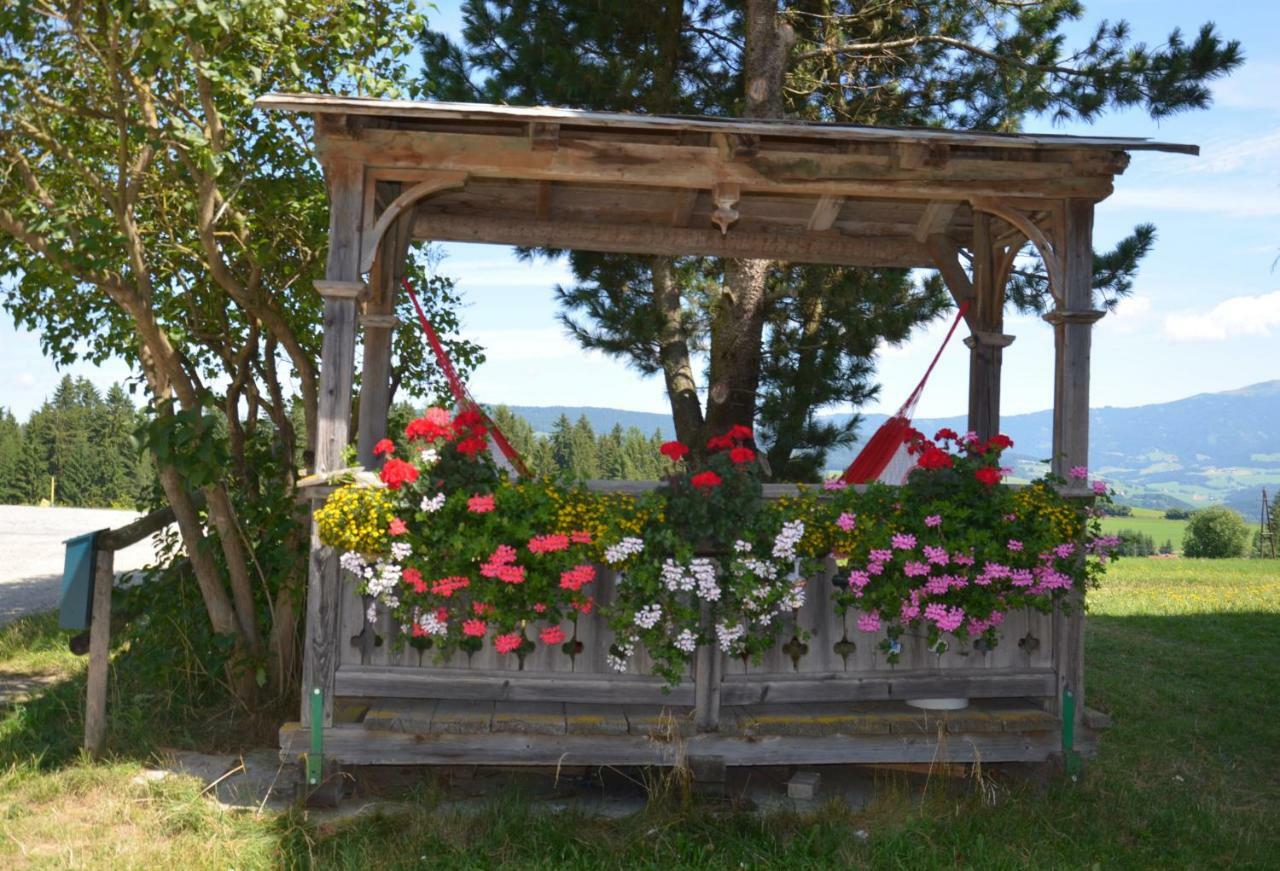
point(75, 607)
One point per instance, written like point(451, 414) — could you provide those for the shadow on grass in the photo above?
point(151, 705)
point(1186, 777)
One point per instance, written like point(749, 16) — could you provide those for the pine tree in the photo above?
point(12, 489)
point(980, 64)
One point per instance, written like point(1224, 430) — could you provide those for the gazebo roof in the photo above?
point(674, 185)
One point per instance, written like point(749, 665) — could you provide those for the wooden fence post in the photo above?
point(95, 706)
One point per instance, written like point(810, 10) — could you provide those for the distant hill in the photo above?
point(1208, 448)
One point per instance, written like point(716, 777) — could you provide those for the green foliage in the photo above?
point(1133, 543)
point(1177, 514)
point(80, 440)
point(1215, 533)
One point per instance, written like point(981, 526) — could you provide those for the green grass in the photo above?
point(1149, 521)
point(1182, 653)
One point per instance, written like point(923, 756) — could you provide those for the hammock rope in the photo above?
point(461, 395)
point(884, 457)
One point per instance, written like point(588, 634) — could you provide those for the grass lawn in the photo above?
point(1184, 654)
point(1149, 521)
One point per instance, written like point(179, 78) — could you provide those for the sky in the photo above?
point(1204, 315)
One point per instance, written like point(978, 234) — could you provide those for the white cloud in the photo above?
point(547, 343)
point(1129, 315)
point(1251, 87)
point(1237, 316)
point(25, 379)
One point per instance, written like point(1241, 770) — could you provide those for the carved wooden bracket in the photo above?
point(725, 196)
point(1087, 316)
point(431, 184)
point(989, 339)
point(1024, 223)
point(380, 321)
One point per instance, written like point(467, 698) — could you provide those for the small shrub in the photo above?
point(1177, 514)
point(1215, 533)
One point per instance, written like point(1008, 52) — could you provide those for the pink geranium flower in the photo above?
point(846, 521)
point(480, 504)
point(508, 643)
point(933, 520)
point(552, 635)
point(869, 621)
point(903, 541)
point(397, 526)
point(1079, 472)
point(474, 628)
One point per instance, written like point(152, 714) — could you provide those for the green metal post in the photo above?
point(1069, 733)
point(315, 759)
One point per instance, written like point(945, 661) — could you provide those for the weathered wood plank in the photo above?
point(455, 717)
point(659, 721)
point(529, 718)
point(843, 686)
point(594, 719)
point(401, 715)
point(427, 683)
point(646, 238)
point(586, 161)
point(354, 745)
point(1073, 147)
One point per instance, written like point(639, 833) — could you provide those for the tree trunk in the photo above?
point(677, 369)
point(738, 328)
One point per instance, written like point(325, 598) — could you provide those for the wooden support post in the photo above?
point(95, 706)
point(1072, 322)
point(379, 322)
point(988, 341)
point(708, 672)
point(341, 290)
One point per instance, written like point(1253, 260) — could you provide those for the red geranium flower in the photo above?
point(433, 425)
point(719, 443)
point(384, 447)
point(742, 455)
point(988, 475)
point(474, 628)
point(466, 420)
point(413, 578)
point(1000, 441)
point(934, 457)
point(397, 472)
point(946, 434)
point(706, 480)
point(741, 433)
point(471, 445)
point(675, 451)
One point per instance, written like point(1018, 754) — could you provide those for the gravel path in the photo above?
point(32, 552)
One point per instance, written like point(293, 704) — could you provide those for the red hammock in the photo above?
point(884, 457)
point(459, 390)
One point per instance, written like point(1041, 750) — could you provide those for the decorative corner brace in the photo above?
point(356, 290)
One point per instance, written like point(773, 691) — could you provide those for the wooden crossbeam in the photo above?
point(682, 210)
point(673, 241)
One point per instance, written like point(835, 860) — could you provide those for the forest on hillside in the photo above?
point(81, 449)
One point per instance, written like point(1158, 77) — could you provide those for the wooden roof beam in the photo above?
point(682, 208)
point(935, 220)
point(835, 249)
point(825, 212)
point(681, 166)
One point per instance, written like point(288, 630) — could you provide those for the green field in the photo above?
point(1182, 653)
point(1149, 521)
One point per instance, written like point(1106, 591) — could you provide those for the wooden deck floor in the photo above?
point(446, 731)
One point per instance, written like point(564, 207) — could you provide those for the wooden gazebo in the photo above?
point(800, 192)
